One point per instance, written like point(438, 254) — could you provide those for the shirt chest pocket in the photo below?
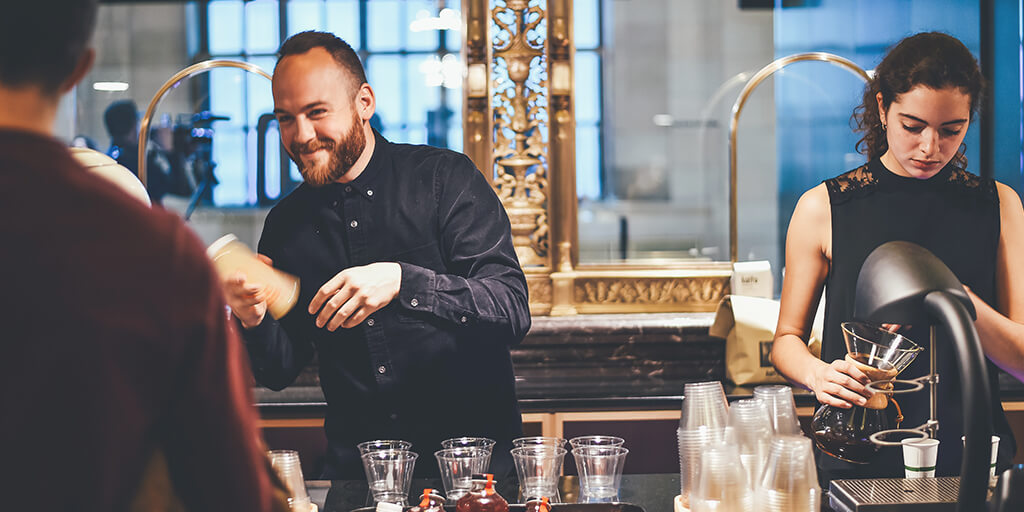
point(427, 255)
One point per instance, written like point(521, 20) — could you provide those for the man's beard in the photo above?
point(342, 155)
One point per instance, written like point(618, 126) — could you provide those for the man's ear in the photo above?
point(366, 103)
point(82, 68)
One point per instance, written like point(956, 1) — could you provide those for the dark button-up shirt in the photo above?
point(432, 364)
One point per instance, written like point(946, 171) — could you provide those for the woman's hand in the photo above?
point(840, 384)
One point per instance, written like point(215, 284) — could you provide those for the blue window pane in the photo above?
point(422, 89)
point(453, 38)
point(305, 15)
point(273, 184)
point(249, 164)
point(228, 153)
point(421, 39)
point(384, 18)
point(454, 99)
point(586, 26)
point(455, 135)
point(227, 97)
point(588, 162)
point(343, 20)
point(385, 73)
point(416, 136)
point(588, 87)
point(192, 28)
point(393, 133)
point(224, 29)
point(261, 99)
point(261, 26)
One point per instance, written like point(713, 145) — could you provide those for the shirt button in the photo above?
point(348, 189)
point(463, 319)
point(394, 416)
point(370, 322)
point(414, 303)
point(369, 192)
point(334, 204)
point(353, 223)
point(382, 369)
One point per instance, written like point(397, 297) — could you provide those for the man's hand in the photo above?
point(248, 301)
point(354, 294)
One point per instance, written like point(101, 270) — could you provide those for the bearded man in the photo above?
point(411, 290)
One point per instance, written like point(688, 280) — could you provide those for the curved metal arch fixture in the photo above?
point(194, 69)
point(737, 109)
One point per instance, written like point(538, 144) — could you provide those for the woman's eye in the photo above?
point(950, 133)
point(913, 129)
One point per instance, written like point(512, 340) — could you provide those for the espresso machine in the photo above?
point(903, 283)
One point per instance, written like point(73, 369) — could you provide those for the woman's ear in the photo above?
point(881, 109)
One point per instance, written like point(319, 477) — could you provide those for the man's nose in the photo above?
point(304, 131)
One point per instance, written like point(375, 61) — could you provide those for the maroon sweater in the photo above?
point(117, 345)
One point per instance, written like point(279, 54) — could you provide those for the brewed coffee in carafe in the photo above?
point(881, 355)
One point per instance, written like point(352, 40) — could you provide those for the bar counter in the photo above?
point(653, 492)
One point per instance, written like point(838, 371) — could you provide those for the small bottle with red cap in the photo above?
point(483, 497)
point(431, 501)
point(541, 505)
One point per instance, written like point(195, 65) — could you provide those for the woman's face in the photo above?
point(924, 129)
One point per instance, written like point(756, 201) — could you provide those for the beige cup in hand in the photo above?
point(230, 256)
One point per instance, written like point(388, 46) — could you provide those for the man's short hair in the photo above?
point(121, 117)
point(41, 42)
point(343, 54)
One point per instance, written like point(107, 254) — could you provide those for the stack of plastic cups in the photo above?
point(703, 421)
point(790, 481)
point(722, 485)
point(751, 432)
point(781, 408)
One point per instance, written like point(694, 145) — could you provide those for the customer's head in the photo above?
point(323, 105)
point(121, 119)
point(920, 102)
point(45, 44)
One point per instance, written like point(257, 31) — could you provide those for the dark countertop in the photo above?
point(598, 362)
point(653, 492)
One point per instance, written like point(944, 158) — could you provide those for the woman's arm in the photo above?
point(807, 265)
point(1001, 329)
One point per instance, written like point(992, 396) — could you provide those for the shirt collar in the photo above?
point(364, 183)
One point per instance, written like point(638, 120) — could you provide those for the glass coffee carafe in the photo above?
point(881, 355)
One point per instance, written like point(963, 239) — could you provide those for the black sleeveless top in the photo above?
point(955, 215)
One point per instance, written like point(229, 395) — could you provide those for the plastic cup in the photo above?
point(538, 468)
point(722, 484)
point(469, 442)
point(751, 434)
point(704, 405)
point(600, 472)
point(458, 465)
point(230, 256)
point(286, 464)
point(919, 456)
point(383, 444)
point(389, 474)
point(781, 408)
point(692, 443)
point(790, 481)
point(538, 441)
point(577, 442)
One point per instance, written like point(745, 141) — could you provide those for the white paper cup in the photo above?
point(919, 456)
point(992, 461)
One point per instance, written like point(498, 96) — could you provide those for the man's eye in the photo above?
point(317, 112)
point(284, 119)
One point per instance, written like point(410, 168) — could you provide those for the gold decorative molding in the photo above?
point(677, 287)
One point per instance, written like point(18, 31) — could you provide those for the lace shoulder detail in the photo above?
point(851, 184)
point(981, 189)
